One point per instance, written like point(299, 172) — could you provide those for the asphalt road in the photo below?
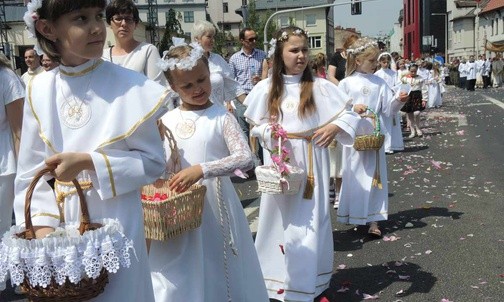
point(444, 237)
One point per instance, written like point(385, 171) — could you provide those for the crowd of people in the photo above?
point(94, 115)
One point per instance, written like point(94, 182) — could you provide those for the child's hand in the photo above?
point(403, 96)
point(359, 108)
point(325, 135)
point(69, 164)
point(186, 178)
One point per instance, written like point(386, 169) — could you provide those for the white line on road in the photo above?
point(496, 102)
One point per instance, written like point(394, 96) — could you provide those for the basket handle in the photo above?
point(376, 120)
point(172, 143)
point(85, 221)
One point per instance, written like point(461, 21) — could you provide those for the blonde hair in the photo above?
point(276, 91)
point(319, 61)
point(358, 48)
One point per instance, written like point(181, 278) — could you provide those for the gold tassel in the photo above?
point(376, 177)
point(310, 185)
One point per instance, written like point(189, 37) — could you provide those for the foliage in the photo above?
point(257, 21)
point(173, 28)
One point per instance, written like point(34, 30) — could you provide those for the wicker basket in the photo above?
point(84, 290)
point(166, 212)
point(269, 180)
point(372, 141)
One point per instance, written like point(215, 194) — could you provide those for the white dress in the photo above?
point(360, 202)
point(11, 89)
point(303, 268)
point(28, 75)
point(121, 136)
point(143, 59)
point(224, 86)
point(217, 261)
point(391, 124)
point(435, 98)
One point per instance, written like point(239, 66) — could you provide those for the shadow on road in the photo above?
point(353, 238)
point(372, 280)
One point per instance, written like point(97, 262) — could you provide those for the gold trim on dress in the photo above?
point(41, 133)
point(82, 72)
point(137, 124)
point(46, 215)
point(109, 170)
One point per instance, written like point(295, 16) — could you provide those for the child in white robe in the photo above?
point(391, 125)
point(294, 237)
point(217, 261)
point(364, 192)
point(85, 122)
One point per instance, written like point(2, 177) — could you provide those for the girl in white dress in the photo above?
point(217, 261)
point(294, 237)
point(84, 120)
point(435, 87)
point(122, 16)
point(364, 192)
point(224, 87)
point(391, 125)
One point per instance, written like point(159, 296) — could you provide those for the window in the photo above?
point(315, 42)
point(189, 17)
point(311, 20)
point(284, 21)
point(244, 2)
point(225, 7)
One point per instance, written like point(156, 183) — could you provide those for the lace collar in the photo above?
point(80, 70)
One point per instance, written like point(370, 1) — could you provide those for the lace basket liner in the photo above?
point(70, 264)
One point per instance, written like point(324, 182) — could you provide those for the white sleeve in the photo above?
point(152, 70)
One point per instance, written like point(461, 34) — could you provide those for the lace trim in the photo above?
point(64, 254)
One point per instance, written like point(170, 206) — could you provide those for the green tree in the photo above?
point(257, 21)
point(173, 28)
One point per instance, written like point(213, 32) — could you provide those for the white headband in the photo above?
point(358, 50)
point(186, 63)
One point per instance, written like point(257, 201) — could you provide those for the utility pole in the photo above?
point(4, 40)
point(152, 16)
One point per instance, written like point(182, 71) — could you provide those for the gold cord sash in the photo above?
point(310, 178)
point(60, 196)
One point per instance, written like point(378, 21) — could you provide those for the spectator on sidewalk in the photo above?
point(497, 70)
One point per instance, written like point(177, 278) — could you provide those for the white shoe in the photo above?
point(413, 134)
point(419, 132)
point(336, 201)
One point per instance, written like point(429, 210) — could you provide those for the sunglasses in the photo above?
point(251, 39)
point(119, 19)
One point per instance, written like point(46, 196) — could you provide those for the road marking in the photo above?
point(496, 102)
point(478, 104)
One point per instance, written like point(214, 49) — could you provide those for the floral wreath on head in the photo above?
point(367, 43)
point(272, 47)
point(30, 17)
point(285, 35)
point(186, 63)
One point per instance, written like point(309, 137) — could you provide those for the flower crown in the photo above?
point(285, 35)
point(30, 17)
point(272, 47)
point(384, 54)
point(186, 63)
point(367, 43)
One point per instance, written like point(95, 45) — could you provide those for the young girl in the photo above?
point(294, 237)
point(217, 261)
point(417, 100)
point(361, 202)
point(391, 124)
point(84, 120)
point(318, 65)
point(436, 87)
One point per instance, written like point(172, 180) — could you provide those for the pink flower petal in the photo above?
point(370, 297)
point(240, 174)
point(343, 289)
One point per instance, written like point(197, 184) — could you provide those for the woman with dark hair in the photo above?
point(123, 18)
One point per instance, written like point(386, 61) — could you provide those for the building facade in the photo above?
point(223, 14)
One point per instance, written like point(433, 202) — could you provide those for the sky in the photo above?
point(378, 17)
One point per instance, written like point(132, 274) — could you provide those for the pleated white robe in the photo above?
point(200, 265)
point(303, 268)
point(360, 202)
point(122, 138)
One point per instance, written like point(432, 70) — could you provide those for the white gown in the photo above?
point(301, 226)
point(143, 59)
point(122, 138)
point(391, 124)
point(224, 86)
point(435, 98)
point(360, 202)
point(200, 265)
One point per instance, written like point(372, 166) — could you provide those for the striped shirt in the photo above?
point(244, 66)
